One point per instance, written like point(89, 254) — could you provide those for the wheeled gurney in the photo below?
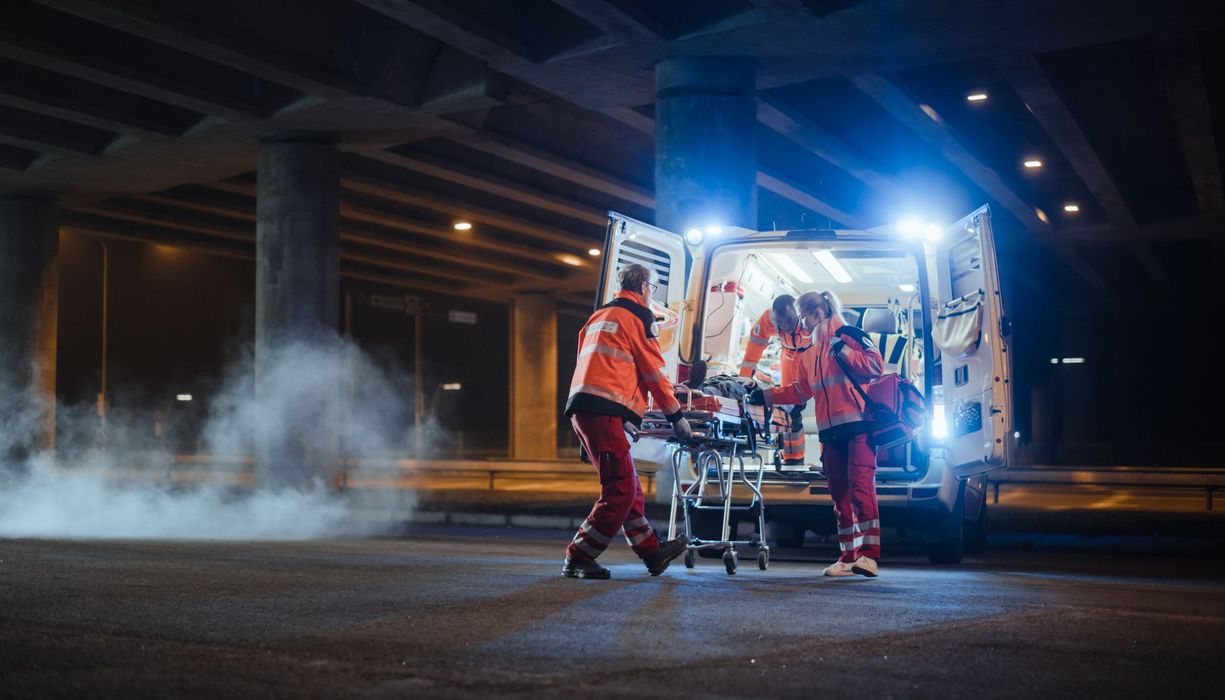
point(726, 433)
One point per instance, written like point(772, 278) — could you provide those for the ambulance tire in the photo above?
point(952, 550)
point(976, 529)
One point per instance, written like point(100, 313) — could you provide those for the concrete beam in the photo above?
point(1182, 71)
point(477, 180)
point(785, 120)
point(619, 20)
point(904, 108)
point(560, 167)
point(794, 193)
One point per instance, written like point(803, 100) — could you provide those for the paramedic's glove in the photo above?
point(756, 397)
point(682, 430)
point(631, 429)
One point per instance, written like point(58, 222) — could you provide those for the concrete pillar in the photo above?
point(29, 301)
point(705, 143)
point(533, 377)
point(297, 307)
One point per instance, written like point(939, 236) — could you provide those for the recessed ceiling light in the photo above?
point(1041, 215)
point(1071, 207)
point(594, 252)
point(1033, 163)
point(789, 265)
point(571, 260)
point(832, 266)
point(976, 97)
point(908, 288)
point(462, 225)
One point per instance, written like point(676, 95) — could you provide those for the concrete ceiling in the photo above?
point(532, 118)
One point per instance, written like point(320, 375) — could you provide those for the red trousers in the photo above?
point(620, 503)
point(850, 469)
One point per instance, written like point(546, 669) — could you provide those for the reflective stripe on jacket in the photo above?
point(839, 408)
point(619, 363)
point(793, 342)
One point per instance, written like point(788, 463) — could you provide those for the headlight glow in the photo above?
point(940, 426)
point(694, 236)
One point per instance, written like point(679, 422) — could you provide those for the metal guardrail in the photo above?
point(1207, 479)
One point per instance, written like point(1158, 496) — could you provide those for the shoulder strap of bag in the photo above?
point(851, 375)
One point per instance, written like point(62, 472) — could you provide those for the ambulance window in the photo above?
point(655, 260)
point(965, 267)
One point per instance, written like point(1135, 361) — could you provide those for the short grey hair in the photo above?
point(632, 277)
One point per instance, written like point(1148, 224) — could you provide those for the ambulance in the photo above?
point(928, 296)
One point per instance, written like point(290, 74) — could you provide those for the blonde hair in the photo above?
point(810, 302)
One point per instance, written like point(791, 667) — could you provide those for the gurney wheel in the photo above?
point(729, 560)
point(763, 560)
point(689, 559)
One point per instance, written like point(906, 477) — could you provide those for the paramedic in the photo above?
point(781, 320)
point(849, 463)
point(619, 362)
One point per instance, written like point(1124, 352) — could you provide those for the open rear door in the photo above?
point(631, 241)
point(971, 331)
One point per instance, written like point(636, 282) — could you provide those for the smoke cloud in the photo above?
point(311, 404)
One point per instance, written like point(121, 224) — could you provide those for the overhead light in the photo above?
point(1073, 360)
point(1033, 163)
point(594, 252)
point(571, 260)
point(908, 288)
point(1054, 360)
point(714, 230)
point(910, 226)
point(931, 113)
point(694, 236)
point(462, 226)
point(183, 397)
point(1041, 215)
point(976, 97)
point(933, 232)
point(832, 266)
point(453, 386)
point(1071, 207)
point(1017, 435)
point(789, 265)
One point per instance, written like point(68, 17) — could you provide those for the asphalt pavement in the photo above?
point(480, 612)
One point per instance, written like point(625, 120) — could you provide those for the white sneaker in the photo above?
point(865, 567)
point(839, 568)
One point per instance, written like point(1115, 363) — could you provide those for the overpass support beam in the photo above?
point(29, 302)
point(297, 307)
point(533, 377)
point(705, 143)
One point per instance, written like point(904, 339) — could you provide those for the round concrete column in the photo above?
point(705, 143)
point(297, 307)
point(533, 373)
point(29, 301)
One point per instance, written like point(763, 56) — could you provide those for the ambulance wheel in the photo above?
point(763, 560)
point(729, 560)
point(689, 559)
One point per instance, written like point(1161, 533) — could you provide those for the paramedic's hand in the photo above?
point(682, 430)
point(631, 429)
point(756, 397)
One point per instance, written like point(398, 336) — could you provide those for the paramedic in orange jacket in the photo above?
point(781, 321)
point(849, 463)
point(619, 363)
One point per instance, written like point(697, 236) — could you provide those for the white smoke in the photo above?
point(312, 403)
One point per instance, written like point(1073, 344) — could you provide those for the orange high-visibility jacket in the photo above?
point(795, 341)
point(619, 363)
point(839, 408)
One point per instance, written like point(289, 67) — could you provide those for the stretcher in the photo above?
point(727, 433)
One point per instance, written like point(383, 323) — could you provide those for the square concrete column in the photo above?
point(29, 303)
point(297, 308)
point(705, 143)
point(533, 377)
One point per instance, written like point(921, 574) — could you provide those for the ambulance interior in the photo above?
point(878, 284)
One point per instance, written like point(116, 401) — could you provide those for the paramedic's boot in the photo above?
point(839, 568)
point(865, 566)
point(584, 568)
point(657, 562)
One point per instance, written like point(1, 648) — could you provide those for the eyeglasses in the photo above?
point(654, 288)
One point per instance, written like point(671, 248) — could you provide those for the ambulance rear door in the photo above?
point(663, 252)
point(973, 405)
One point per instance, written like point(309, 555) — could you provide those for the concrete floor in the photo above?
point(471, 612)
